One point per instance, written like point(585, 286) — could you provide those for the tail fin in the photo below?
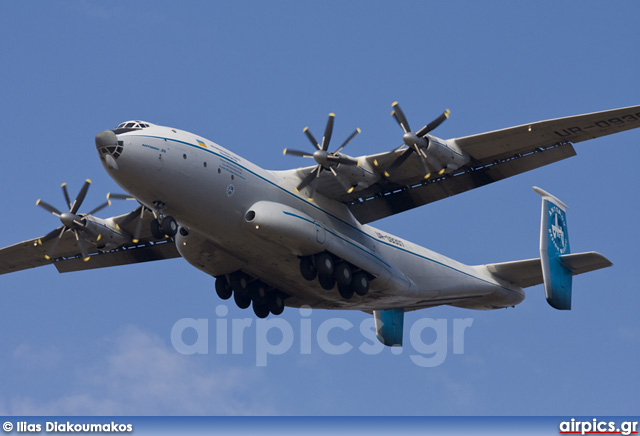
point(554, 243)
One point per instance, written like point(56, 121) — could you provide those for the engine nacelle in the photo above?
point(442, 154)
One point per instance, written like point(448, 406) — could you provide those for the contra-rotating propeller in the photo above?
point(325, 159)
point(415, 142)
point(71, 220)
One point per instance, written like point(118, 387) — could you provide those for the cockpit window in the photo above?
point(128, 126)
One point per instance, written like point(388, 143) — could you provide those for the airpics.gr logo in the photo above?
point(558, 229)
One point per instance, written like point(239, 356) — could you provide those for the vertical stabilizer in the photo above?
point(554, 243)
point(389, 325)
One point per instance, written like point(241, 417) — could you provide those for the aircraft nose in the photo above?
point(106, 138)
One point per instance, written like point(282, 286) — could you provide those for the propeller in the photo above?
point(415, 142)
point(73, 221)
point(325, 159)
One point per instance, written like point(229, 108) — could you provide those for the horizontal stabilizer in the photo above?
point(525, 273)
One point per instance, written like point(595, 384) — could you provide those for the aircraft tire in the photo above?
point(242, 301)
point(261, 310)
point(240, 282)
point(360, 283)
point(342, 273)
point(327, 281)
point(169, 226)
point(275, 303)
point(345, 292)
point(307, 268)
point(223, 289)
point(324, 264)
point(258, 292)
point(156, 231)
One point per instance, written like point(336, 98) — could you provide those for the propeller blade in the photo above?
point(433, 124)
point(52, 234)
point(344, 144)
point(400, 160)
point(66, 194)
point(308, 179)
point(80, 198)
point(119, 196)
point(425, 167)
point(131, 216)
point(296, 153)
point(136, 233)
point(311, 138)
point(400, 118)
point(314, 185)
point(99, 208)
point(46, 206)
point(83, 246)
point(53, 247)
point(328, 131)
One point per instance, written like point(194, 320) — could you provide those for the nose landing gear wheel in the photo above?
point(169, 226)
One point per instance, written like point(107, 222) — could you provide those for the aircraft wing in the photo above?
point(495, 155)
point(31, 254)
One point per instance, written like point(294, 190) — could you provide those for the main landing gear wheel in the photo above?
point(261, 310)
point(307, 268)
point(242, 300)
point(360, 283)
point(275, 303)
point(345, 292)
point(324, 264)
point(223, 289)
point(327, 281)
point(240, 282)
point(342, 273)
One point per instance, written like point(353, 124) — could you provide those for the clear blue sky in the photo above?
point(250, 76)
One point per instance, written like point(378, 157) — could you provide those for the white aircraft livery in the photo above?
point(302, 237)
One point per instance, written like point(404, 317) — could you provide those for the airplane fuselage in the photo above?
point(225, 206)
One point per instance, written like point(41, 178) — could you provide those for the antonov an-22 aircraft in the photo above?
point(301, 237)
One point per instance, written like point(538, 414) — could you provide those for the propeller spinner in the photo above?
point(325, 159)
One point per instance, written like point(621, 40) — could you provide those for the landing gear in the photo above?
point(163, 226)
point(360, 283)
point(307, 268)
point(342, 273)
point(327, 281)
point(276, 303)
point(242, 300)
point(247, 291)
point(261, 310)
point(324, 263)
point(331, 270)
point(223, 289)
